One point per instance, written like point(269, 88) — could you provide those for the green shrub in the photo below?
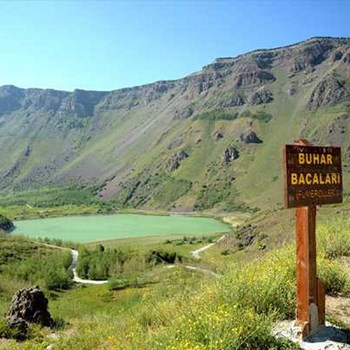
point(223, 193)
point(208, 197)
point(103, 264)
point(334, 276)
point(217, 114)
point(261, 116)
point(244, 304)
point(115, 284)
point(42, 266)
point(57, 277)
point(246, 114)
point(334, 237)
point(267, 287)
point(171, 189)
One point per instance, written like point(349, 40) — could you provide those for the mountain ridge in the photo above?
point(311, 39)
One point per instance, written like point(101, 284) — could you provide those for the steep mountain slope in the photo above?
point(211, 139)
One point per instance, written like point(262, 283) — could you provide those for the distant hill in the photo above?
point(210, 140)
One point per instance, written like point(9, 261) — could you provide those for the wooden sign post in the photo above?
point(312, 176)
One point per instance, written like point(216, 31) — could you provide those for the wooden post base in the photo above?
point(310, 289)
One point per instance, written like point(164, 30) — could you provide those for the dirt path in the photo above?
point(195, 253)
point(76, 278)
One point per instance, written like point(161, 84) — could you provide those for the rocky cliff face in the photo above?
point(53, 137)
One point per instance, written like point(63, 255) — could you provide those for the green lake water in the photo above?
point(104, 227)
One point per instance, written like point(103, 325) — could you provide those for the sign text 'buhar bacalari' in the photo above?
point(313, 175)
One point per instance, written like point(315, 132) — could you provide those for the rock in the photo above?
point(311, 54)
point(329, 337)
point(200, 82)
point(10, 98)
point(230, 154)
point(80, 103)
point(264, 60)
point(219, 64)
point(292, 90)
point(329, 92)
point(175, 160)
point(218, 135)
point(184, 114)
point(253, 78)
point(337, 55)
point(260, 97)
point(27, 151)
point(249, 137)
point(30, 304)
point(232, 101)
point(6, 224)
point(246, 236)
point(176, 143)
point(337, 130)
point(346, 58)
point(20, 326)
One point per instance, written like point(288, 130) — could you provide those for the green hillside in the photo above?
point(210, 140)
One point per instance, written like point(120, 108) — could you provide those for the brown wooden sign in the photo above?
point(312, 175)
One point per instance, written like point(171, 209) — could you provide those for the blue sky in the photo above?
point(105, 45)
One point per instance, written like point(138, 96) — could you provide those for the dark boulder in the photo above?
point(18, 327)
point(250, 137)
point(218, 135)
point(30, 304)
point(6, 224)
point(230, 154)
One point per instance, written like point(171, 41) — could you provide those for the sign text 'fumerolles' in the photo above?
point(313, 175)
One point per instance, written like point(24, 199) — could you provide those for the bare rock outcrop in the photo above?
point(329, 92)
point(311, 54)
point(264, 60)
point(175, 161)
point(254, 77)
point(29, 305)
point(184, 113)
point(346, 58)
point(232, 101)
point(246, 235)
point(337, 55)
point(260, 97)
point(338, 129)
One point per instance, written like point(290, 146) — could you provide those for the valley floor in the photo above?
point(168, 308)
